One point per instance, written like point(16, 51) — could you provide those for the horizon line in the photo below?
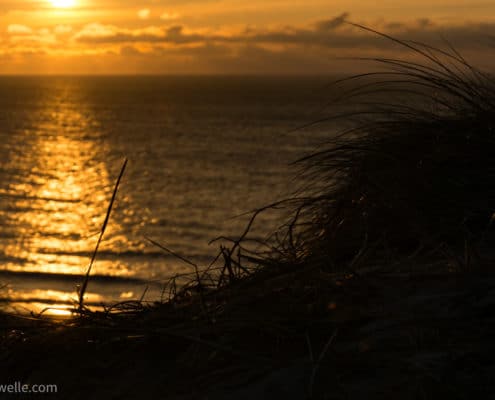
point(309, 75)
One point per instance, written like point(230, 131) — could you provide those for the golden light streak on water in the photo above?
point(58, 204)
point(63, 141)
point(47, 302)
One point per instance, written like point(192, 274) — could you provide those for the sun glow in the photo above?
point(63, 3)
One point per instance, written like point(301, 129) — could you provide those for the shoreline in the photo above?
point(32, 292)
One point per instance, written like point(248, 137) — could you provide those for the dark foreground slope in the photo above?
point(299, 335)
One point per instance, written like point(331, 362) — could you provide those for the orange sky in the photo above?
point(235, 36)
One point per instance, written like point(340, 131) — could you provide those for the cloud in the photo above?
point(176, 35)
point(130, 51)
point(109, 34)
point(96, 31)
point(307, 48)
point(167, 16)
point(145, 13)
point(17, 29)
point(331, 24)
point(332, 33)
point(424, 23)
point(63, 29)
point(22, 35)
point(327, 39)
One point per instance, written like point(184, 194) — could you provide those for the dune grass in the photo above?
point(413, 175)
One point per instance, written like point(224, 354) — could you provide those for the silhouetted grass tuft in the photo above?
point(413, 175)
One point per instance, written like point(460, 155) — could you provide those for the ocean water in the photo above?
point(201, 151)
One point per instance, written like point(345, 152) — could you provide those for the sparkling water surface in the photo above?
point(201, 150)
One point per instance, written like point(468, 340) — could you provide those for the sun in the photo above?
point(63, 3)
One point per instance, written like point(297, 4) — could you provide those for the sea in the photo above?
point(202, 153)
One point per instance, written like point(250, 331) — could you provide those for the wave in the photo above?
point(106, 253)
point(24, 196)
point(115, 254)
point(70, 278)
point(48, 302)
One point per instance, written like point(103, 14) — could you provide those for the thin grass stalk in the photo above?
point(84, 285)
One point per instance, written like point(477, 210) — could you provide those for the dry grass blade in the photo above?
point(84, 285)
point(199, 283)
point(167, 250)
point(316, 366)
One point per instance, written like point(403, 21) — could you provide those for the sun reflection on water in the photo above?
point(58, 208)
point(48, 302)
point(55, 203)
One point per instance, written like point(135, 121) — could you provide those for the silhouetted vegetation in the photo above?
point(413, 174)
